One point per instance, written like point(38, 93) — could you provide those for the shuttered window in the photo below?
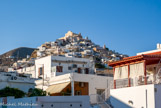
point(41, 71)
point(79, 70)
point(59, 69)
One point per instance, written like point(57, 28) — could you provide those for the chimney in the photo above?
point(158, 46)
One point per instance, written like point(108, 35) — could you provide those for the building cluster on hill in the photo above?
point(74, 45)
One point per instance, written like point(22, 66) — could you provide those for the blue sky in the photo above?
point(126, 26)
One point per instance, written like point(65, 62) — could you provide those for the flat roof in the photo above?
point(150, 59)
point(158, 51)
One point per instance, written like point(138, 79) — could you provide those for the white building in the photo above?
point(42, 48)
point(156, 51)
point(56, 65)
point(73, 54)
point(77, 84)
point(137, 81)
point(70, 76)
point(28, 70)
point(15, 80)
point(88, 52)
point(145, 96)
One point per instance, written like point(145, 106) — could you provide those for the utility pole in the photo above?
point(43, 76)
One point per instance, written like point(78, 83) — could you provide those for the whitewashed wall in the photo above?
point(46, 62)
point(157, 96)
point(120, 98)
point(48, 101)
point(28, 70)
point(24, 86)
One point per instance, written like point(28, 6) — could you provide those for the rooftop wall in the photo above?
point(133, 97)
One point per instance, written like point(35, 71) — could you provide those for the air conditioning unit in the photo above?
point(13, 78)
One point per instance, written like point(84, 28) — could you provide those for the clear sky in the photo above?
point(126, 26)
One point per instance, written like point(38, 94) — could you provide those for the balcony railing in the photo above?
point(137, 81)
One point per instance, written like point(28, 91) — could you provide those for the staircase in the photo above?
point(101, 102)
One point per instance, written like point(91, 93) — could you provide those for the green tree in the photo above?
point(7, 91)
point(107, 49)
point(36, 92)
point(100, 66)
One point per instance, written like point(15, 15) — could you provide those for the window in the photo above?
point(86, 71)
point(59, 68)
point(40, 71)
point(74, 66)
point(69, 68)
point(79, 70)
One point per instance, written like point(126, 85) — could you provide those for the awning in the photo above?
point(57, 88)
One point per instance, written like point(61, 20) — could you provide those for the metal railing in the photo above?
point(99, 100)
point(137, 81)
point(119, 83)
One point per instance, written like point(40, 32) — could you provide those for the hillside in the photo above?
point(8, 58)
point(21, 52)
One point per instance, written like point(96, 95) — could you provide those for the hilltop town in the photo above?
point(74, 45)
